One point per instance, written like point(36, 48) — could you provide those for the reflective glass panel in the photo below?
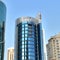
point(26, 25)
point(22, 35)
point(26, 28)
point(31, 57)
point(31, 42)
point(22, 32)
point(25, 35)
point(30, 46)
point(26, 32)
point(22, 28)
point(22, 25)
point(22, 39)
point(25, 38)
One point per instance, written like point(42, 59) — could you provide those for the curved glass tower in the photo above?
point(29, 40)
point(2, 28)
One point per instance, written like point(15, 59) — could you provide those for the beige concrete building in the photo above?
point(53, 48)
point(10, 54)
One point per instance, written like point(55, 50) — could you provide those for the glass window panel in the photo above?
point(30, 49)
point(30, 42)
point(22, 50)
point(22, 53)
point(22, 57)
point(32, 39)
point(22, 25)
point(31, 57)
point(26, 28)
point(26, 25)
point(22, 43)
point(30, 33)
point(25, 58)
point(30, 53)
point(22, 46)
point(22, 31)
point(22, 39)
point(30, 46)
point(22, 28)
point(23, 35)
point(25, 46)
point(26, 31)
point(33, 36)
point(25, 42)
point(25, 49)
point(33, 33)
point(25, 38)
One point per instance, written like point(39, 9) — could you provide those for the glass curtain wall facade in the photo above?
point(2, 28)
point(29, 43)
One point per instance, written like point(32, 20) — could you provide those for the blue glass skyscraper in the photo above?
point(2, 28)
point(29, 39)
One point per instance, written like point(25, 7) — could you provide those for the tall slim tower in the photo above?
point(29, 39)
point(2, 28)
point(10, 55)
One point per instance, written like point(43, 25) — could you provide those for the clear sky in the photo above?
point(50, 10)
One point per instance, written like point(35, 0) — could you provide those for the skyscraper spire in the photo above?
point(39, 15)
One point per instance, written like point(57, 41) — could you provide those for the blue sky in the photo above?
point(50, 10)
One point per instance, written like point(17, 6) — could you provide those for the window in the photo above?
point(26, 25)
point(22, 28)
point(30, 42)
point(22, 25)
point(25, 38)
point(32, 39)
point(26, 28)
point(26, 35)
point(22, 39)
point(22, 35)
point(22, 57)
point(31, 57)
point(30, 53)
point(22, 47)
point(26, 32)
point(22, 32)
point(22, 43)
point(22, 53)
point(56, 40)
point(25, 42)
point(31, 47)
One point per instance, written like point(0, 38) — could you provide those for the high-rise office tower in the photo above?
point(2, 28)
point(10, 55)
point(53, 48)
point(29, 39)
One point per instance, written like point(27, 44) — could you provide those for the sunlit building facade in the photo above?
point(2, 28)
point(53, 47)
point(10, 54)
point(29, 39)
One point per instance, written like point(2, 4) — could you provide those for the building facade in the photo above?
point(10, 54)
point(29, 39)
point(44, 43)
point(2, 28)
point(53, 48)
